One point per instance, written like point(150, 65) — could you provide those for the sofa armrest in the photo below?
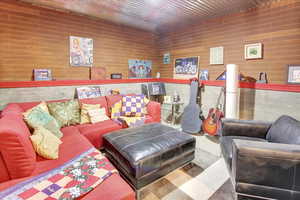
point(248, 128)
point(265, 164)
point(154, 110)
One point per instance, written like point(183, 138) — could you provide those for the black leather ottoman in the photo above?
point(146, 153)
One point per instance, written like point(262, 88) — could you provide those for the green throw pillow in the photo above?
point(39, 117)
point(66, 113)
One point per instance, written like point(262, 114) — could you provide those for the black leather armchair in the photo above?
point(260, 168)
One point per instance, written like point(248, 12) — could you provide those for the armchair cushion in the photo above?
point(226, 146)
point(285, 130)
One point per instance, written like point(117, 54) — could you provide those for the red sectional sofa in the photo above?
point(19, 162)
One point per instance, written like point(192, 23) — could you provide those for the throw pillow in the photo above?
point(116, 110)
point(133, 106)
point(45, 143)
point(66, 113)
point(284, 130)
point(37, 116)
point(84, 112)
point(97, 115)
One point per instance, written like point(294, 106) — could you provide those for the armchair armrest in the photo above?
point(154, 110)
point(265, 164)
point(248, 128)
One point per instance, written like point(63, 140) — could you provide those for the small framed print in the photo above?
point(116, 76)
point(42, 74)
point(293, 74)
point(253, 51)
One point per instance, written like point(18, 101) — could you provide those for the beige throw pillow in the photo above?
point(45, 143)
point(85, 118)
point(98, 115)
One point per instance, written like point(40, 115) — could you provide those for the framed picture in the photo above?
point(186, 67)
point(116, 76)
point(42, 74)
point(253, 51)
point(81, 51)
point(293, 74)
point(88, 92)
point(167, 58)
point(216, 56)
point(140, 68)
point(98, 73)
point(203, 74)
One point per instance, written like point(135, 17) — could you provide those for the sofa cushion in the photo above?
point(98, 115)
point(133, 106)
point(15, 145)
point(284, 130)
point(95, 132)
point(12, 108)
point(98, 100)
point(45, 143)
point(84, 117)
point(38, 116)
point(226, 146)
point(66, 113)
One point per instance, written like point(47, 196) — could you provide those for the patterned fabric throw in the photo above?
point(116, 115)
point(133, 106)
point(68, 182)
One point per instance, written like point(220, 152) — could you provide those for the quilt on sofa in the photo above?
point(71, 180)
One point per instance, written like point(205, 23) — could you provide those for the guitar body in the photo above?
point(190, 120)
point(212, 123)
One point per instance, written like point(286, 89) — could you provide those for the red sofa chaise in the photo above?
point(19, 162)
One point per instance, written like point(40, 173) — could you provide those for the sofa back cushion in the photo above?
point(15, 146)
point(4, 174)
point(284, 130)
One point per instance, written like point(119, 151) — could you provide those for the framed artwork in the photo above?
point(42, 74)
point(253, 51)
point(98, 73)
point(186, 67)
point(116, 76)
point(167, 58)
point(81, 51)
point(293, 74)
point(216, 56)
point(140, 68)
point(203, 74)
point(88, 92)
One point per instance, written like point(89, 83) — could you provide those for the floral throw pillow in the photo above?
point(84, 112)
point(37, 116)
point(133, 106)
point(98, 115)
point(66, 113)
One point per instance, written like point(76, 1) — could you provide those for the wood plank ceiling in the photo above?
point(153, 15)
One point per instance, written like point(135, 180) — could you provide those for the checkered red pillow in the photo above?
point(133, 106)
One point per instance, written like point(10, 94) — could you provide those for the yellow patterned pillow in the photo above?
point(98, 115)
point(45, 143)
point(84, 112)
point(43, 106)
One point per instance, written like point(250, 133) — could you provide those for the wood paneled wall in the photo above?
point(277, 26)
point(33, 37)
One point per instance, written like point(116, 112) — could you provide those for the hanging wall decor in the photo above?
point(216, 56)
point(140, 68)
point(253, 51)
point(81, 51)
point(186, 67)
point(293, 74)
point(167, 58)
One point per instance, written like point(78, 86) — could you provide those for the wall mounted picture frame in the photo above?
point(88, 92)
point(139, 68)
point(203, 75)
point(167, 58)
point(216, 56)
point(81, 51)
point(186, 68)
point(253, 51)
point(42, 75)
point(293, 74)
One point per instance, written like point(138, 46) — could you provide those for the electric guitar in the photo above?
point(212, 123)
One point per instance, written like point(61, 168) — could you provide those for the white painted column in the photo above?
point(232, 81)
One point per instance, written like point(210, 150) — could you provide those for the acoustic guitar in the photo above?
point(190, 121)
point(212, 123)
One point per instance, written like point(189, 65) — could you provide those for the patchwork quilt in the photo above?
point(72, 180)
